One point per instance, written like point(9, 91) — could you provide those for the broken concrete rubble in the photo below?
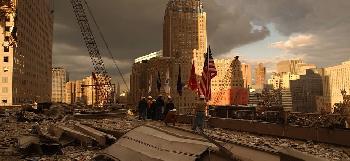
point(100, 137)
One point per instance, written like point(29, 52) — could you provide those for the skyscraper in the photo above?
point(26, 62)
point(59, 79)
point(260, 76)
point(184, 41)
point(247, 75)
point(184, 33)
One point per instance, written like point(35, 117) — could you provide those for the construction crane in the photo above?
point(103, 81)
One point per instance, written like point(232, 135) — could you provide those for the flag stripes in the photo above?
point(209, 72)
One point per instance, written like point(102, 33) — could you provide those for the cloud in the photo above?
point(327, 21)
point(229, 27)
point(294, 42)
point(134, 27)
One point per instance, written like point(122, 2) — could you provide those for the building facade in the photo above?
point(305, 91)
point(184, 42)
point(290, 66)
point(83, 91)
point(228, 86)
point(26, 62)
point(260, 76)
point(337, 78)
point(298, 67)
point(282, 81)
point(247, 75)
point(185, 33)
point(59, 79)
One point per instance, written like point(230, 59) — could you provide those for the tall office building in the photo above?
point(337, 78)
point(185, 33)
point(305, 90)
point(228, 87)
point(26, 62)
point(59, 80)
point(260, 76)
point(247, 75)
point(294, 67)
point(184, 41)
point(286, 66)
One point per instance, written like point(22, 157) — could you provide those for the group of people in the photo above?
point(155, 109)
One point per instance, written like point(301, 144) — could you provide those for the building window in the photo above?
point(7, 38)
point(7, 28)
point(6, 59)
point(6, 49)
point(4, 79)
point(4, 89)
point(7, 19)
point(6, 69)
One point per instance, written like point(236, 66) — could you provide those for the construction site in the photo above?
point(33, 128)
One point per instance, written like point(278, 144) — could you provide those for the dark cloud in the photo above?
point(134, 27)
point(229, 27)
point(327, 21)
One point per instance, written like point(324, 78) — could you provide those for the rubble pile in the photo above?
point(116, 124)
point(317, 120)
point(320, 150)
point(54, 134)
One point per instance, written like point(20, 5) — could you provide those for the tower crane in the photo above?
point(102, 79)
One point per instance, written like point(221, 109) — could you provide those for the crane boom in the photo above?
point(103, 81)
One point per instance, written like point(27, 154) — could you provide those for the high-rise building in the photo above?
point(228, 86)
point(59, 79)
point(305, 90)
point(294, 67)
point(82, 91)
point(26, 62)
point(260, 76)
point(278, 80)
point(184, 42)
point(337, 78)
point(185, 33)
point(247, 75)
point(286, 66)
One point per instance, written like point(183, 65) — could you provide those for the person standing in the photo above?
point(200, 113)
point(149, 106)
point(153, 109)
point(142, 107)
point(159, 107)
point(169, 112)
point(169, 106)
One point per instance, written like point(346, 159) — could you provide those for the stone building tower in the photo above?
point(185, 34)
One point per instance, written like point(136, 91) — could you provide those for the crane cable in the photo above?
point(106, 44)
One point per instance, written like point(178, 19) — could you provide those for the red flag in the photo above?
point(192, 83)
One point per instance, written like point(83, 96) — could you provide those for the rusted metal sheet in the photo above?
point(146, 143)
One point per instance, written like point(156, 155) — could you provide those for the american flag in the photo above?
point(209, 72)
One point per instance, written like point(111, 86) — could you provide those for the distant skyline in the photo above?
point(317, 31)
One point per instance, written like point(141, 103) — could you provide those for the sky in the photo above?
point(317, 31)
